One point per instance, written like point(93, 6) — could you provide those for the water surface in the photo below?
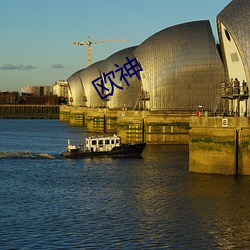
point(148, 203)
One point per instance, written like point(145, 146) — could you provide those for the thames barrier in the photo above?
point(218, 145)
point(174, 75)
point(132, 126)
point(179, 86)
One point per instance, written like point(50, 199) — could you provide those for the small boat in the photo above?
point(101, 146)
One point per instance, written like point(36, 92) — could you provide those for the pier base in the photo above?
point(219, 145)
point(132, 126)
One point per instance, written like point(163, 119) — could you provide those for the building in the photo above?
point(234, 33)
point(182, 68)
point(76, 93)
point(9, 97)
point(37, 90)
point(127, 96)
point(38, 95)
point(60, 89)
point(83, 92)
point(92, 99)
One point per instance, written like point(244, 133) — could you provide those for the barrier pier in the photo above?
point(219, 145)
point(132, 126)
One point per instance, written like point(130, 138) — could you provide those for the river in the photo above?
point(48, 202)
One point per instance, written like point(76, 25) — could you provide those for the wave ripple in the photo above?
point(26, 154)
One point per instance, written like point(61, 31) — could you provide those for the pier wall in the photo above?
point(25, 111)
point(219, 145)
point(132, 126)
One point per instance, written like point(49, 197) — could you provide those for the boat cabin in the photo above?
point(104, 143)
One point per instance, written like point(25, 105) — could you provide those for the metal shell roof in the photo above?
point(236, 18)
point(129, 94)
point(182, 67)
point(76, 90)
point(87, 76)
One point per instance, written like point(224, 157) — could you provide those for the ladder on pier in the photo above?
point(217, 101)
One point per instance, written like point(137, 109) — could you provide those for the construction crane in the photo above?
point(89, 43)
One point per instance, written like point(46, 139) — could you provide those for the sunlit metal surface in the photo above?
point(128, 96)
point(181, 67)
point(234, 29)
point(76, 91)
point(236, 18)
point(87, 76)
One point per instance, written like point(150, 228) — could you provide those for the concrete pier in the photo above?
point(219, 145)
point(64, 114)
point(132, 126)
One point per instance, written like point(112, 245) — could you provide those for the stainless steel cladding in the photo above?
point(234, 33)
point(87, 76)
point(182, 68)
point(75, 89)
point(128, 96)
point(235, 18)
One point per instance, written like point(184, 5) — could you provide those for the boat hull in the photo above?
point(126, 150)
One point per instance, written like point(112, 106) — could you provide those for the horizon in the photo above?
point(36, 36)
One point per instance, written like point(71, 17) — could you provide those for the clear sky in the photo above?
point(36, 35)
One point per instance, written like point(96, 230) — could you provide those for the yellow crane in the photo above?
point(89, 43)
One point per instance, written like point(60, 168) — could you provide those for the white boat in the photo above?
point(103, 146)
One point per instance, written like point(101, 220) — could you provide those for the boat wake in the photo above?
point(26, 154)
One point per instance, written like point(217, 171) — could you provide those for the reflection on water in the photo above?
point(224, 201)
point(107, 203)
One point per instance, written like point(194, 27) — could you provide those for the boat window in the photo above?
point(112, 142)
point(107, 142)
point(117, 141)
point(100, 142)
point(93, 142)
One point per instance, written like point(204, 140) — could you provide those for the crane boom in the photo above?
point(89, 43)
point(112, 41)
